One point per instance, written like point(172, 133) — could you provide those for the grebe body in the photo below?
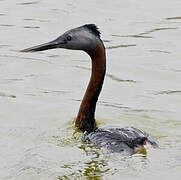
point(121, 140)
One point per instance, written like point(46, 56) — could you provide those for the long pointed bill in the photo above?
point(50, 45)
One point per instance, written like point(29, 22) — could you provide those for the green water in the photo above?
point(40, 93)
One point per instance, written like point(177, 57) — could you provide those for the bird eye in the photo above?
point(69, 38)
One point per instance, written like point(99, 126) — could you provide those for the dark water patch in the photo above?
point(29, 3)
point(169, 92)
point(31, 27)
point(121, 46)
point(174, 18)
point(7, 95)
point(160, 51)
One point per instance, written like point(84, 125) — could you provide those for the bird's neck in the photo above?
point(86, 116)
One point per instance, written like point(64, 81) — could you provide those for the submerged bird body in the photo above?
point(87, 38)
point(121, 140)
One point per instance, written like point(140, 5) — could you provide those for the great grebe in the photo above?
point(87, 38)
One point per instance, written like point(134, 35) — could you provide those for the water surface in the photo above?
point(40, 93)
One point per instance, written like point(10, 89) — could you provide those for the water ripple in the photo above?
point(113, 77)
point(105, 40)
point(126, 108)
point(29, 3)
point(40, 20)
point(160, 51)
point(114, 105)
point(159, 29)
point(120, 80)
point(120, 46)
point(15, 79)
point(33, 27)
point(6, 25)
point(7, 95)
point(47, 91)
point(169, 92)
point(20, 57)
point(5, 45)
point(174, 18)
point(176, 70)
point(142, 35)
point(133, 36)
point(138, 36)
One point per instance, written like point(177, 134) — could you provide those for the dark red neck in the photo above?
point(86, 117)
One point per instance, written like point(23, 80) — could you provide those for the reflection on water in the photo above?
point(94, 168)
point(40, 93)
point(99, 160)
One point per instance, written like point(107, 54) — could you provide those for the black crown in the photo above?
point(93, 28)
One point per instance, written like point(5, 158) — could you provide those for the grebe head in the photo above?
point(83, 38)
